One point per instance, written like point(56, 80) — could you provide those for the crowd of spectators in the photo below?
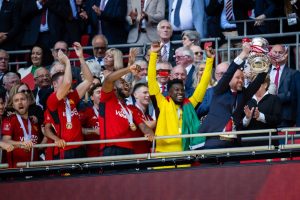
point(172, 90)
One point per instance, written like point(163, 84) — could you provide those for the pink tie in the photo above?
point(43, 19)
point(163, 88)
point(276, 81)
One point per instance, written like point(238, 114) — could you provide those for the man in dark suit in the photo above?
point(42, 23)
point(205, 104)
point(264, 9)
point(43, 88)
point(167, 52)
point(281, 75)
point(109, 18)
point(9, 24)
point(295, 96)
point(228, 102)
point(218, 21)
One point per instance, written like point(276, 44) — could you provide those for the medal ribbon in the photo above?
point(27, 136)
point(96, 111)
point(128, 113)
point(68, 111)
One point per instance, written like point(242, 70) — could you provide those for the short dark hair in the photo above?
point(172, 82)
point(56, 76)
point(93, 88)
point(138, 85)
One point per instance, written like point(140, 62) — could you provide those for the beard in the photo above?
point(121, 94)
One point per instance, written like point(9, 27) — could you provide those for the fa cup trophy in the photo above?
point(258, 59)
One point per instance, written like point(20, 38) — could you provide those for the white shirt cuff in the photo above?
point(261, 118)
point(246, 122)
point(238, 61)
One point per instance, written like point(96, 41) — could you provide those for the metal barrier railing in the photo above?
point(149, 156)
point(280, 19)
point(270, 35)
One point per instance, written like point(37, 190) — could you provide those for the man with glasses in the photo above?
point(198, 54)
point(63, 46)
point(42, 89)
point(96, 61)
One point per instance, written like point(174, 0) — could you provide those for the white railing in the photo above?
point(286, 136)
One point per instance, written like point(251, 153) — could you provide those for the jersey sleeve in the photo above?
point(52, 102)
point(137, 115)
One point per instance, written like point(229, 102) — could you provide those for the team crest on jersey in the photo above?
point(6, 127)
point(71, 101)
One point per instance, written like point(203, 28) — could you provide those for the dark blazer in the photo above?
point(189, 90)
point(284, 94)
point(214, 9)
point(268, 8)
point(205, 104)
point(172, 50)
point(113, 20)
point(270, 106)
point(222, 102)
point(44, 93)
point(9, 23)
point(295, 97)
point(32, 16)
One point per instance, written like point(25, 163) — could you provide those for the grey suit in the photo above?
point(156, 12)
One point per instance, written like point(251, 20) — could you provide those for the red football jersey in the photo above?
point(12, 127)
point(113, 121)
point(142, 146)
point(51, 151)
point(89, 119)
point(75, 133)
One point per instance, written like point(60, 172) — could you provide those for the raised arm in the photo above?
point(108, 84)
point(223, 83)
point(64, 88)
point(152, 82)
point(200, 90)
point(83, 87)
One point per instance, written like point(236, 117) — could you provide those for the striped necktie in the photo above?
point(229, 10)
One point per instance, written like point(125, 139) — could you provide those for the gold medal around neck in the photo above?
point(132, 126)
point(69, 125)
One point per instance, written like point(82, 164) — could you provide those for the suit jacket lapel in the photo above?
point(283, 75)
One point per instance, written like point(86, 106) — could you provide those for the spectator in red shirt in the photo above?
point(20, 130)
point(116, 118)
point(62, 105)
